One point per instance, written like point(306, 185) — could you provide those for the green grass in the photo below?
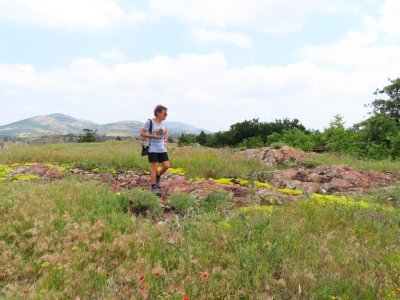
point(360, 164)
point(196, 161)
point(74, 238)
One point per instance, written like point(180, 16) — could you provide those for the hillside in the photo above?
point(56, 124)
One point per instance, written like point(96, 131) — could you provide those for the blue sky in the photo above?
point(211, 62)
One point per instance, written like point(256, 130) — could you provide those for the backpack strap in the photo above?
point(150, 129)
point(151, 126)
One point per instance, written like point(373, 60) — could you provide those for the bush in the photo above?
point(144, 201)
point(252, 142)
point(215, 200)
point(293, 137)
point(181, 202)
point(277, 145)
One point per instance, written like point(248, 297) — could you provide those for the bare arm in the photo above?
point(166, 135)
point(144, 133)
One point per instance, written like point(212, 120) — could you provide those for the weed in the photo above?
point(144, 202)
point(182, 202)
point(215, 200)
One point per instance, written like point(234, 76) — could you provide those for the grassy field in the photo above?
point(73, 238)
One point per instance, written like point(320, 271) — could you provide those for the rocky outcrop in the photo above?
point(270, 156)
point(331, 179)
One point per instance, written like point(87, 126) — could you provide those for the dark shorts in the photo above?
point(158, 157)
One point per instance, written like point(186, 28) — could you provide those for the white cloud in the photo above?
point(390, 20)
point(68, 14)
point(207, 36)
point(272, 16)
point(202, 90)
point(357, 49)
point(114, 54)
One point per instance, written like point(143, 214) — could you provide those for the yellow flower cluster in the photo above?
point(264, 208)
point(291, 192)
point(346, 201)
point(177, 171)
point(262, 184)
point(4, 170)
point(198, 179)
point(284, 191)
point(26, 164)
point(223, 180)
point(103, 170)
point(24, 177)
point(224, 225)
point(243, 182)
point(231, 181)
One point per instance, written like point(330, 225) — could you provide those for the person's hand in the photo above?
point(154, 136)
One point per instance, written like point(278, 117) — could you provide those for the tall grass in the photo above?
point(120, 155)
point(385, 165)
point(73, 238)
point(196, 161)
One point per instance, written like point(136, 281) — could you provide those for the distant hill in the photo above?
point(60, 124)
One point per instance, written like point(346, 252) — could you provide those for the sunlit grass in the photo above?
point(360, 164)
point(74, 238)
point(195, 161)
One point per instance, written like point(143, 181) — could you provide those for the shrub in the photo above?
point(215, 200)
point(252, 142)
point(144, 201)
point(277, 145)
point(181, 202)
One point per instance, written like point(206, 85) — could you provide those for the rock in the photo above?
point(289, 174)
point(313, 177)
point(271, 156)
point(331, 179)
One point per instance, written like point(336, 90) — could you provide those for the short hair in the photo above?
point(159, 108)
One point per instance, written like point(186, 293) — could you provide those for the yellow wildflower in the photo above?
point(262, 184)
point(24, 177)
point(224, 180)
point(253, 208)
point(291, 192)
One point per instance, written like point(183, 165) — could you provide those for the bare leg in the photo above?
point(153, 173)
point(164, 168)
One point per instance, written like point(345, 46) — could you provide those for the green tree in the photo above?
point(294, 137)
point(252, 142)
point(380, 136)
point(244, 130)
point(340, 139)
point(391, 106)
point(202, 138)
point(88, 136)
point(186, 139)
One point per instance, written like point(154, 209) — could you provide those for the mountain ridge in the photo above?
point(62, 124)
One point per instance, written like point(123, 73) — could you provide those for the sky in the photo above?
point(212, 63)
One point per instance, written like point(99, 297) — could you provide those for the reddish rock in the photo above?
point(331, 179)
point(289, 174)
point(313, 177)
point(271, 156)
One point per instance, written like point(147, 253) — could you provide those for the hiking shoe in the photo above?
point(166, 208)
point(158, 177)
point(156, 190)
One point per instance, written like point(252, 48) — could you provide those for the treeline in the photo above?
point(376, 137)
